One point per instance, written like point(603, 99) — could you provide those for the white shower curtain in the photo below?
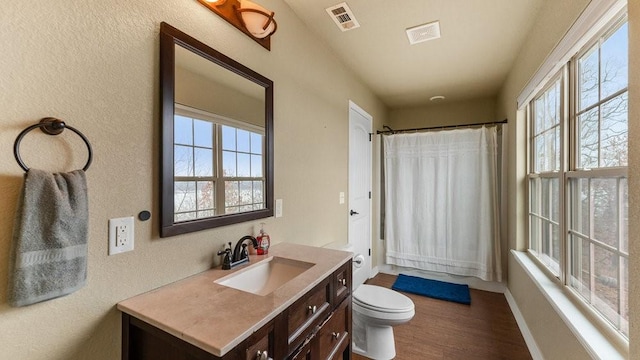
point(441, 202)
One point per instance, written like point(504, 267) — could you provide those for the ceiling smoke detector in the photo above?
point(422, 33)
point(343, 16)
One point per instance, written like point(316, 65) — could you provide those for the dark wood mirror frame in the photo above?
point(169, 38)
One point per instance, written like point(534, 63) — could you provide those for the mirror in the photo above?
point(217, 138)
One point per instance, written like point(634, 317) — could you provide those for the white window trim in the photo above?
point(595, 16)
point(218, 119)
point(595, 341)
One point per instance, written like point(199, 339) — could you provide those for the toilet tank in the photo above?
point(336, 245)
point(360, 275)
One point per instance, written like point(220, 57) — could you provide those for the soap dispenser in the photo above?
point(263, 241)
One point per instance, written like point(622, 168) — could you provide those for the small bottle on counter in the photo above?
point(263, 241)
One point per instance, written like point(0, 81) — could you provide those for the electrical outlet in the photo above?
point(120, 235)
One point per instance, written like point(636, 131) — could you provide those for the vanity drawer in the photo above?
point(342, 283)
point(333, 336)
point(308, 312)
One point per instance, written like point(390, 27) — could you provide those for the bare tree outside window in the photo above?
point(603, 106)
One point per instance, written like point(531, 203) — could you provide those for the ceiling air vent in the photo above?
point(422, 33)
point(343, 16)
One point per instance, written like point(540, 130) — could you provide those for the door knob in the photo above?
point(353, 213)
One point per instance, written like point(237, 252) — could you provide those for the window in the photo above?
point(242, 170)
point(218, 166)
point(194, 193)
point(544, 180)
point(578, 195)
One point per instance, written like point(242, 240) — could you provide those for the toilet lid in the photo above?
point(381, 299)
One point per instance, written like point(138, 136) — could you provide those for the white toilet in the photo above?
point(375, 311)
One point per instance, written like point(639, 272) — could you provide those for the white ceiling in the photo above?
point(480, 41)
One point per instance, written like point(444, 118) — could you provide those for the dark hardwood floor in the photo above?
point(486, 329)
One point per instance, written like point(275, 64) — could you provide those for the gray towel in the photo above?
point(49, 253)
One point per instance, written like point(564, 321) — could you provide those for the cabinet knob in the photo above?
point(343, 282)
point(312, 309)
point(335, 335)
point(262, 355)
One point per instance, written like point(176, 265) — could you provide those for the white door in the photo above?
point(360, 124)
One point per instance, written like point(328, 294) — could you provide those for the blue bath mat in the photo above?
point(433, 288)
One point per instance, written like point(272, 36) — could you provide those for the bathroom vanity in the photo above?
point(306, 317)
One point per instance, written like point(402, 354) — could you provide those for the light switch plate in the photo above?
point(341, 197)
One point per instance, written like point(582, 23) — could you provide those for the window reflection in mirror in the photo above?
point(206, 184)
point(217, 138)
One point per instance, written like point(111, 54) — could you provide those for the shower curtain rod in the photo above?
point(391, 131)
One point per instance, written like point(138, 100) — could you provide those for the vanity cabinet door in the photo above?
point(142, 341)
point(333, 336)
point(260, 345)
point(308, 312)
point(341, 283)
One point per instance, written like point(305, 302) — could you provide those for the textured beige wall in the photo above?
point(444, 113)
point(553, 21)
point(95, 64)
point(551, 334)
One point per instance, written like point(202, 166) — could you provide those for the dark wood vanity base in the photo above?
point(316, 326)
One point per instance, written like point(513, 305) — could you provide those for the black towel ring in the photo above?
point(50, 126)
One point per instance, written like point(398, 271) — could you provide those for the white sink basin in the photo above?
point(265, 276)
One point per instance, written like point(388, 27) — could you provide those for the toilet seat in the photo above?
point(383, 300)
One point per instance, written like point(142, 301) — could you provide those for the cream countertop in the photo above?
point(216, 318)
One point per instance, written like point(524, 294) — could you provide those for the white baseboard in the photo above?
point(524, 329)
